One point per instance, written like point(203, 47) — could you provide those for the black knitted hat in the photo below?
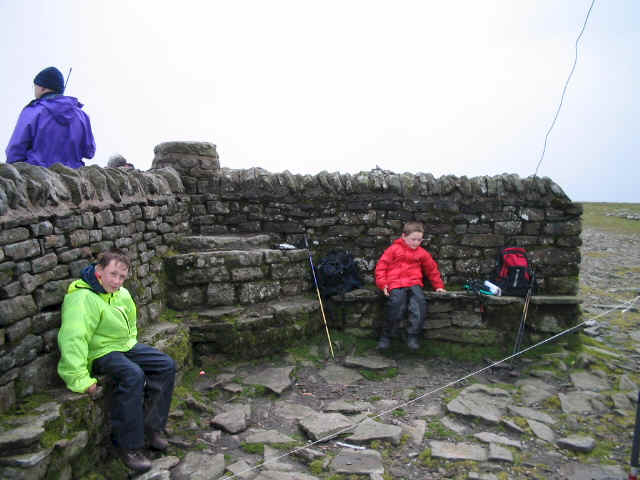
point(51, 78)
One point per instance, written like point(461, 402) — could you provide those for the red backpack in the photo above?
point(513, 272)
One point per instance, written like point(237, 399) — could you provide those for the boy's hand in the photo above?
point(386, 291)
point(92, 391)
point(441, 290)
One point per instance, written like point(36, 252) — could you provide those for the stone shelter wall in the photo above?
point(466, 219)
point(53, 222)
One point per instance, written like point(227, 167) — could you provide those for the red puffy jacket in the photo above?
point(401, 266)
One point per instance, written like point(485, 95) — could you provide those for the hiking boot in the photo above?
point(384, 343)
point(134, 460)
point(413, 343)
point(158, 442)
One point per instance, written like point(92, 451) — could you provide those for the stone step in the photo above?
point(216, 278)
point(255, 330)
point(200, 243)
point(23, 433)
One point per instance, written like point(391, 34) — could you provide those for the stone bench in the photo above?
point(461, 316)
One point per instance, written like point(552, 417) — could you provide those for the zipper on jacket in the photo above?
point(126, 318)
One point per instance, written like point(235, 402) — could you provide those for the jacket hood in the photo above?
point(61, 108)
point(88, 274)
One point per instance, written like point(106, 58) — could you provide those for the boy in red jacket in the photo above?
point(399, 275)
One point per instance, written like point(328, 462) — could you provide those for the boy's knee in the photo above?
point(171, 365)
point(133, 375)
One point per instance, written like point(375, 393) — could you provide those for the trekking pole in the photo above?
point(635, 449)
point(315, 280)
point(67, 80)
point(523, 320)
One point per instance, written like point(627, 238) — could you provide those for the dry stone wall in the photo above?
point(53, 222)
point(466, 219)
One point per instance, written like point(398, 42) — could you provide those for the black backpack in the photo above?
point(513, 273)
point(337, 273)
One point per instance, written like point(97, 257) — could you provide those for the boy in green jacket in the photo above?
point(99, 334)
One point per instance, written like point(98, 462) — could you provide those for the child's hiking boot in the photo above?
point(413, 343)
point(134, 460)
point(384, 343)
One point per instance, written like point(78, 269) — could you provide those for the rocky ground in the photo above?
point(557, 413)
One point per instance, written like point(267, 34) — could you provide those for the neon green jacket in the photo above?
point(93, 325)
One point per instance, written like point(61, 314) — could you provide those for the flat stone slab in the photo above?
point(276, 379)
point(532, 414)
point(454, 426)
point(579, 471)
point(272, 458)
point(621, 401)
point(363, 462)
point(160, 469)
point(276, 475)
point(588, 381)
point(498, 453)
point(199, 466)
point(458, 451)
point(541, 431)
point(346, 407)
point(267, 436)
point(323, 425)
point(233, 387)
point(234, 420)
point(430, 410)
point(20, 437)
point(242, 470)
point(338, 375)
point(373, 362)
point(416, 430)
point(199, 243)
point(370, 430)
point(577, 402)
point(293, 411)
point(26, 460)
point(482, 476)
point(511, 425)
point(577, 443)
point(532, 395)
point(482, 402)
point(488, 437)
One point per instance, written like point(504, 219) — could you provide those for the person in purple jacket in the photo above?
point(52, 128)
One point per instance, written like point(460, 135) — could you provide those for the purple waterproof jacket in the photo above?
point(52, 129)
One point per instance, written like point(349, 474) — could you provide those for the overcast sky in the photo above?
point(457, 87)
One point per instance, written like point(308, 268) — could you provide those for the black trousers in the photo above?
point(141, 372)
point(401, 301)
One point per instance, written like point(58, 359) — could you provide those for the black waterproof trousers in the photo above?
point(144, 379)
point(401, 301)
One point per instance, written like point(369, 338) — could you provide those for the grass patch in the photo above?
point(316, 467)
point(253, 448)
point(595, 216)
point(436, 430)
point(379, 375)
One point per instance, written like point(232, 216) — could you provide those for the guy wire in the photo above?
point(564, 90)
